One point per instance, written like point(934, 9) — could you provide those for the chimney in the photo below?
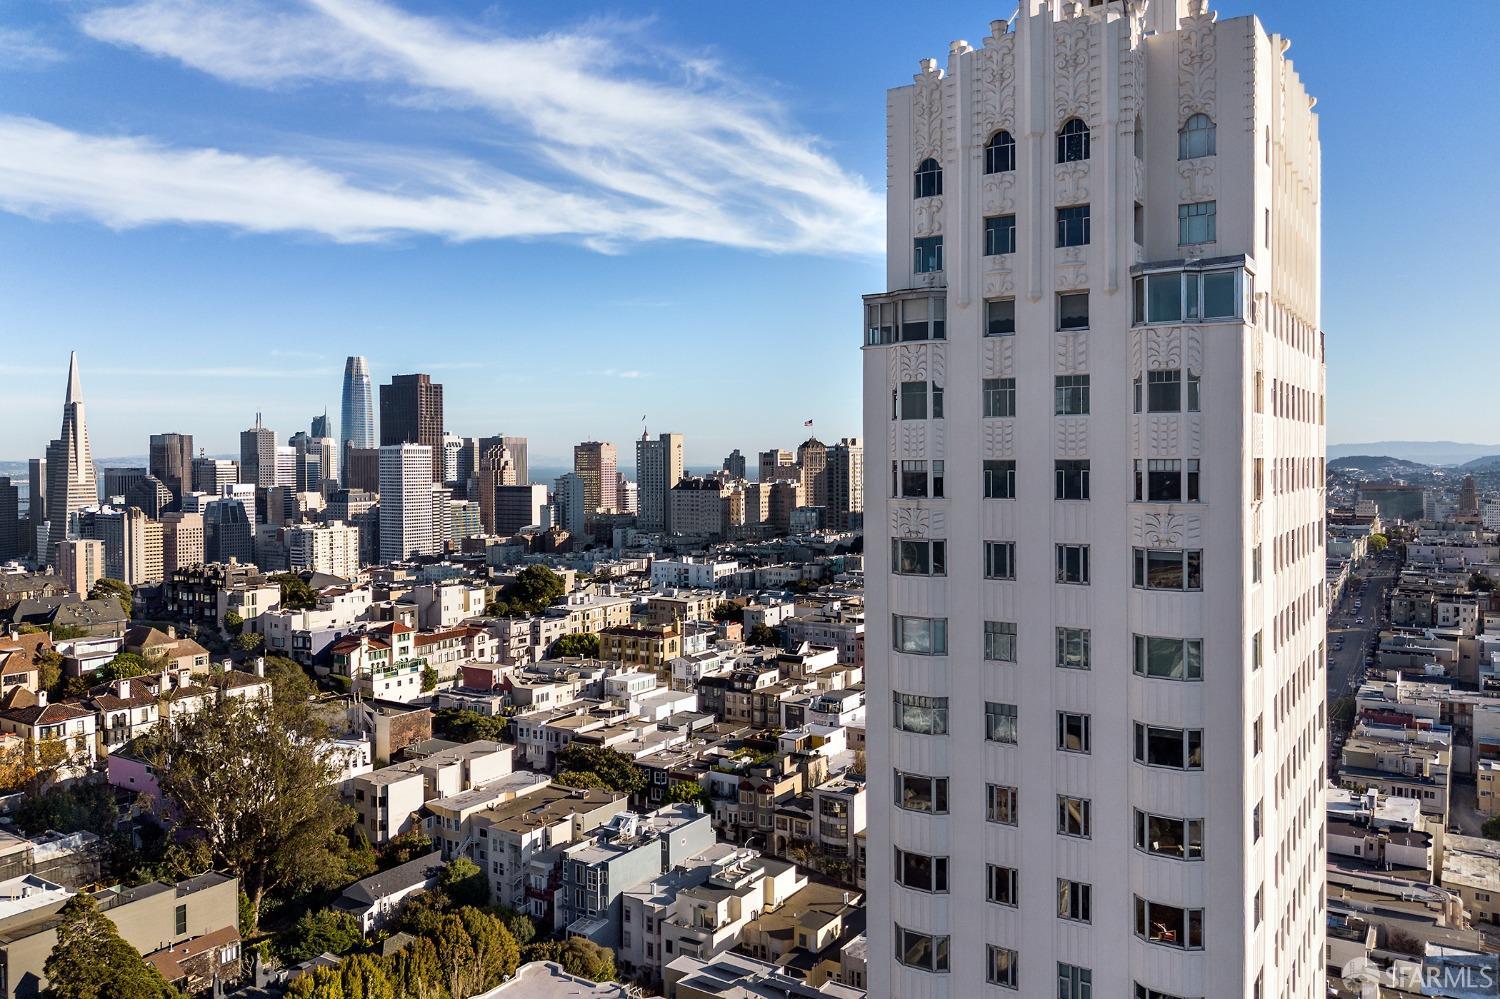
point(122, 689)
point(172, 632)
point(260, 666)
point(41, 698)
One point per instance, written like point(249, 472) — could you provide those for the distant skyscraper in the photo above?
point(595, 463)
point(10, 520)
point(572, 506)
point(406, 503)
point(119, 480)
point(36, 509)
point(357, 426)
point(314, 468)
point(777, 463)
point(171, 461)
point(211, 475)
point(812, 459)
point(228, 531)
point(735, 464)
point(658, 467)
point(515, 448)
point(846, 486)
point(1468, 496)
point(258, 455)
point(322, 426)
point(411, 412)
point(71, 484)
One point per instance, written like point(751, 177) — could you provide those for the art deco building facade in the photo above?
point(1094, 453)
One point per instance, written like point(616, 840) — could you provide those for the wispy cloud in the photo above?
point(604, 138)
point(628, 373)
point(22, 49)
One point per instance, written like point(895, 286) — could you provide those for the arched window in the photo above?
point(1197, 138)
point(928, 179)
point(1073, 141)
point(1000, 153)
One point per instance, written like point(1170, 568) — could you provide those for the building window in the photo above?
point(1168, 569)
point(1000, 641)
point(918, 558)
point(999, 235)
point(1169, 658)
point(1074, 982)
point(1255, 562)
point(1193, 296)
point(1073, 817)
point(1166, 480)
point(919, 714)
point(1073, 479)
point(1197, 138)
point(1075, 901)
point(1073, 564)
point(1256, 642)
point(1002, 885)
point(913, 401)
point(904, 320)
point(1000, 804)
point(1073, 648)
point(1072, 141)
point(1000, 967)
point(999, 316)
point(912, 481)
point(1000, 153)
point(1000, 723)
point(1072, 732)
point(999, 560)
point(1072, 310)
point(1073, 226)
point(999, 479)
point(927, 254)
point(1169, 925)
point(1180, 839)
point(928, 179)
point(1255, 826)
point(999, 398)
point(923, 951)
point(1255, 736)
point(921, 872)
point(1173, 748)
point(920, 636)
point(1164, 391)
point(180, 920)
point(920, 793)
point(1071, 395)
point(1196, 223)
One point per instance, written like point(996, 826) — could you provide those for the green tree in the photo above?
point(585, 646)
point(251, 778)
point(762, 635)
point(91, 961)
point(727, 611)
point(464, 882)
point(49, 669)
point(126, 665)
point(320, 931)
point(289, 681)
point(535, 588)
point(234, 622)
point(405, 848)
point(520, 925)
point(295, 593)
point(65, 632)
point(475, 951)
point(105, 587)
point(1379, 543)
point(690, 791)
point(583, 780)
point(75, 808)
point(616, 770)
point(577, 956)
point(247, 642)
point(429, 678)
point(463, 725)
point(1480, 583)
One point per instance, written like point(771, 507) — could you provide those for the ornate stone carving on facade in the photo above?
point(1137, 350)
point(1165, 437)
point(1194, 424)
point(911, 521)
point(927, 113)
point(1198, 178)
point(1192, 348)
point(1072, 268)
point(999, 356)
point(995, 84)
point(1073, 437)
point(913, 440)
point(937, 364)
point(999, 438)
point(929, 217)
point(1197, 69)
point(1132, 67)
point(1072, 353)
point(1165, 529)
point(1073, 69)
point(1000, 192)
point(909, 363)
point(1000, 281)
point(1071, 185)
point(1163, 348)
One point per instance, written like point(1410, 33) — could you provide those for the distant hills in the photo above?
point(1422, 452)
point(1381, 464)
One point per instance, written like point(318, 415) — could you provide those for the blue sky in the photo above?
point(573, 214)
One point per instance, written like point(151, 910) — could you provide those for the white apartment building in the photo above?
point(1094, 443)
point(331, 549)
point(406, 526)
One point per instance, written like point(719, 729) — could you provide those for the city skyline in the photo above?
point(298, 303)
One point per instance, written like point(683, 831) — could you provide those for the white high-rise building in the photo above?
point(331, 548)
point(658, 467)
point(406, 526)
point(1094, 443)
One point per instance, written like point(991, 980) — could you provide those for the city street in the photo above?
point(1358, 629)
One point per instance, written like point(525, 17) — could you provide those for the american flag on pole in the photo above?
point(807, 423)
